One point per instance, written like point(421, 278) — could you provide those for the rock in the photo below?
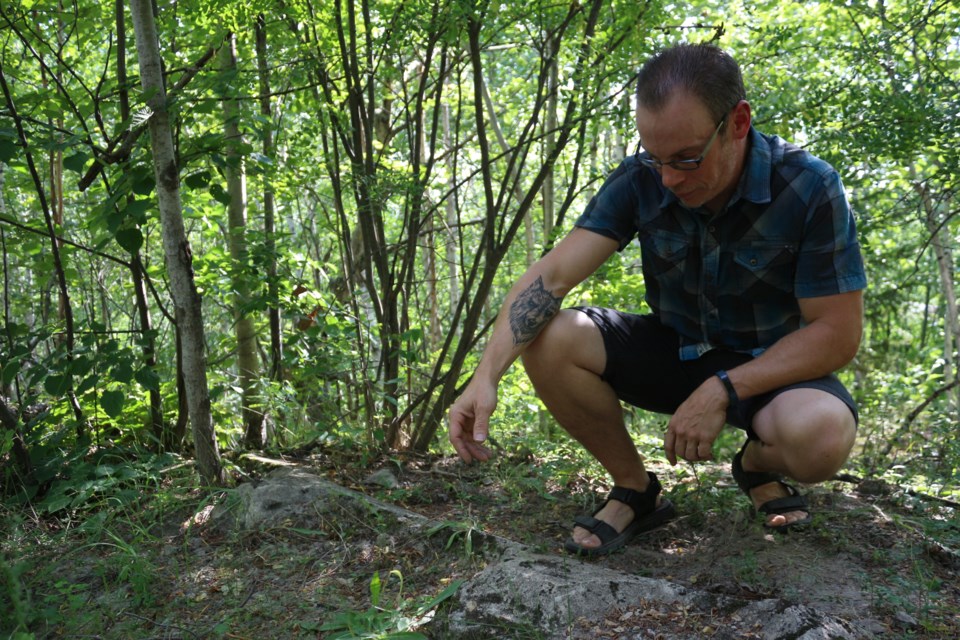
point(905, 620)
point(873, 487)
point(566, 598)
point(288, 493)
point(549, 593)
point(554, 596)
point(382, 478)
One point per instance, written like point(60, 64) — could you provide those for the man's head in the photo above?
point(703, 70)
point(694, 122)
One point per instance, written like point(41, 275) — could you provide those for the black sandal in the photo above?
point(647, 515)
point(748, 480)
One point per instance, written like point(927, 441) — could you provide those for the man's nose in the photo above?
point(671, 177)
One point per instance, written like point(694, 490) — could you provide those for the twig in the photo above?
point(160, 624)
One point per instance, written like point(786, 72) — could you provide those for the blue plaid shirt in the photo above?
point(733, 280)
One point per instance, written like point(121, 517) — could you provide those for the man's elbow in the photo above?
point(847, 347)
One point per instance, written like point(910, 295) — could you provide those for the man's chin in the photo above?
point(690, 200)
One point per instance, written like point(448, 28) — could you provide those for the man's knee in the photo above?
point(815, 431)
point(571, 337)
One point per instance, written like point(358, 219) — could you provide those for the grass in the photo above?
point(137, 557)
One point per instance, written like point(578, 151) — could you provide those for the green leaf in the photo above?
point(8, 150)
point(112, 403)
point(122, 372)
point(197, 180)
point(219, 194)
point(375, 588)
point(130, 239)
point(148, 379)
point(88, 383)
point(10, 371)
point(56, 384)
point(77, 162)
point(144, 184)
point(137, 209)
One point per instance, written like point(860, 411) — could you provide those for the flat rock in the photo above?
point(557, 596)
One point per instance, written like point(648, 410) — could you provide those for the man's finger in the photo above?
point(705, 451)
point(669, 441)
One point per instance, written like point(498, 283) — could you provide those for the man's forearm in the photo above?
point(531, 310)
point(806, 354)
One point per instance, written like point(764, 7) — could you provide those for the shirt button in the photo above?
point(753, 262)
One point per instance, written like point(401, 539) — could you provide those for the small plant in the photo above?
point(12, 598)
point(458, 531)
point(397, 622)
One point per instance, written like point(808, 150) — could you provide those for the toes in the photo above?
point(779, 520)
point(584, 538)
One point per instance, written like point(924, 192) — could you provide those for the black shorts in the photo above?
point(645, 370)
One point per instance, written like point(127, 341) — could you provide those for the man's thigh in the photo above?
point(644, 368)
point(643, 360)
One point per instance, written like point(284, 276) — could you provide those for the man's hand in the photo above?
point(697, 423)
point(470, 421)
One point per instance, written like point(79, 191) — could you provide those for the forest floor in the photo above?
point(875, 555)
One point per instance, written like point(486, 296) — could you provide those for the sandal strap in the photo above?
point(748, 480)
point(642, 502)
point(794, 502)
point(599, 528)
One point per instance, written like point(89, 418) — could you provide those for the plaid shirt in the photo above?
point(732, 280)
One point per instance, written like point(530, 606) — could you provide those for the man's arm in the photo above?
point(830, 339)
point(529, 306)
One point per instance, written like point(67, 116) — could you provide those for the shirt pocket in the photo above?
point(665, 251)
point(764, 268)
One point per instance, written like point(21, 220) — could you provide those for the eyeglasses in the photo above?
point(680, 165)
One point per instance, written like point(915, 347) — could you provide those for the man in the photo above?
point(754, 279)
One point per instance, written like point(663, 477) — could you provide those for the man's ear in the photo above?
point(740, 120)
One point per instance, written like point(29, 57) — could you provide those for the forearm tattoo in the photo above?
point(531, 310)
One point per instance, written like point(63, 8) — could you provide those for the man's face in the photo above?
point(681, 130)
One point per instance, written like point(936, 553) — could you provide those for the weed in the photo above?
point(399, 621)
point(12, 597)
point(458, 531)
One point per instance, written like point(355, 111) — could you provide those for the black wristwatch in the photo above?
point(732, 397)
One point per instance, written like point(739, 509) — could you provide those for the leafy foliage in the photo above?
point(408, 202)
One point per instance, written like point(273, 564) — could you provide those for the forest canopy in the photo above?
point(275, 224)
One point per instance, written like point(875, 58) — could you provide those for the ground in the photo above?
point(875, 554)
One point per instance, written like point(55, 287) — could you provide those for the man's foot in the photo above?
point(626, 513)
point(782, 504)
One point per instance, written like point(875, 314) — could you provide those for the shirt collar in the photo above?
point(754, 182)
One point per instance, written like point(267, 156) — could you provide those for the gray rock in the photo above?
point(555, 596)
point(285, 494)
point(382, 478)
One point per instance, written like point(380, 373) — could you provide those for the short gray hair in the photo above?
point(705, 70)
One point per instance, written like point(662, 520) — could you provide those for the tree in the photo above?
point(248, 362)
point(177, 253)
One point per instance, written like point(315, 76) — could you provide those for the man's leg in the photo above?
point(805, 434)
point(565, 364)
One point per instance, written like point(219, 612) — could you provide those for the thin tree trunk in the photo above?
point(452, 218)
point(137, 272)
point(944, 256)
point(550, 137)
point(269, 204)
point(67, 310)
point(248, 360)
point(177, 254)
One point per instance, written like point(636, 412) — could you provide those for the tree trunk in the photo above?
point(137, 272)
point(248, 361)
point(269, 204)
point(177, 254)
point(66, 309)
point(944, 256)
point(452, 245)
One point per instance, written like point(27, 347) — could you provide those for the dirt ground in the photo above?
point(874, 555)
